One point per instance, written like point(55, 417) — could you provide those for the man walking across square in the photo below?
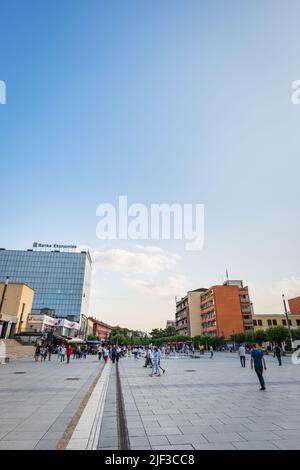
point(258, 360)
point(242, 354)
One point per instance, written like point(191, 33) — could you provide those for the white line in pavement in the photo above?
point(87, 432)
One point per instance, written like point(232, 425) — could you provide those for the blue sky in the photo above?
point(173, 101)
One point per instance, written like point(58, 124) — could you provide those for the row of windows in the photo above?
point(275, 323)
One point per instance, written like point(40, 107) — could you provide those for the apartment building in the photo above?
point(188, 314)
point(226, 309)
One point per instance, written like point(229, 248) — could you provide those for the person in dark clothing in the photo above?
point(258, 360)
point(113, 354)
point(277, 353)
point(50, 349)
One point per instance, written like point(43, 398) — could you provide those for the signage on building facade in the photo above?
point(53, 246)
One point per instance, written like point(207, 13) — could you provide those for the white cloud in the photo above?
point(151, 260)
point(290, 286)
point(170, 287)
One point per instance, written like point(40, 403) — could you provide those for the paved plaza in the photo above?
point(39, 400)
point(212, 404)
point(197, 404)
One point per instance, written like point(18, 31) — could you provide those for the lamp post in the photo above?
point(287, 320)
point(233, 337)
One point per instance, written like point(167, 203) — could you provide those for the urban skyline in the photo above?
point(181, 108)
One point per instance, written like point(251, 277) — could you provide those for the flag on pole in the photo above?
point(227, 274)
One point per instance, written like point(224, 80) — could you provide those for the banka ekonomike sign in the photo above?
point(53, 246)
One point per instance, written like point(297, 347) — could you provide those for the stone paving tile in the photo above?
point(46, 444)
point(158, 440)
point(139, 441)
point(256, 445)
point(20, 436)
point(259, 435)
point(197, 429)
point(219, 437)
point(159, 431)
point(19, 445)
point(218, 446)
point(181, 447)
point(186, 439)
point(288, 444)
point(287, 434)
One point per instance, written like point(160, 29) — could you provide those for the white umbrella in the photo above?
point(76, 341)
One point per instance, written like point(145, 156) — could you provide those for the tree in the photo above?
point(238, 338)
point(260, 336)
point(277, 334)
point(157, 333)
point(93, 338)
point(170, 331)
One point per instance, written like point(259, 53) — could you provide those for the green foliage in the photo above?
point(157, 333)
point(277, 334)
point(119, 339)
point(260, 336)
point(176, 338)
point(238, 338)
point(208, 340)
point(93, 338)
point(170, 331)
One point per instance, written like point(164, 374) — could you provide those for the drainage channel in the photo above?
point(123, 437)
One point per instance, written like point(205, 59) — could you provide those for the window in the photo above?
point(275, 322)
point(259, 322)
point(298, 322)
point(254, 322)
point(270, 322)
point(284, 322)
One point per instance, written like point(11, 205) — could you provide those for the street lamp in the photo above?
point(287, 320)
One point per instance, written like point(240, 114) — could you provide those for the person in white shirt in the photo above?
point(63, 353)
point(242, 355)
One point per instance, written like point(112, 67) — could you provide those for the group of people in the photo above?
point(42, 352)
point(113, 352)
point(153, 357)
point(64, 352)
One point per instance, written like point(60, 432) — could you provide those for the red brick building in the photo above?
point(102, 330)
point(226, 310)
point(294, 305)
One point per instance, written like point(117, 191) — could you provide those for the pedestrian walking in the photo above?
point(113, 354)
point(259, 363)
point(155, 367)
point(59, 352)
point(277, 353)
point(105, 353)
point(211, 352)
point(159, 365)
point(63, 353)
point(69, 352)
point(99, 352)
point(148, 361)
point(242, 355)
point(37, 353)
point(42, 353)
point(50, 349)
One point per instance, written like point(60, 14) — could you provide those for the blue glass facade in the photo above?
point(61, 280)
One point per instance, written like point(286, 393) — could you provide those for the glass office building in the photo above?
point(60, 279)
